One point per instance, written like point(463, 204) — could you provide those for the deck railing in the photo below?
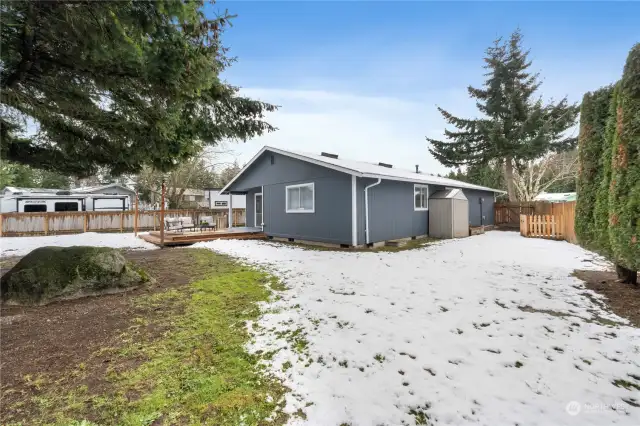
point(23, 224)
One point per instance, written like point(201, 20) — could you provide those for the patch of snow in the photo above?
point(491, 329)
point(20, 246)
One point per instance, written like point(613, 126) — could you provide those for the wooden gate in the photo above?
point(508, 214)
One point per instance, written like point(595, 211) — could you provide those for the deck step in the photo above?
point(153, 239)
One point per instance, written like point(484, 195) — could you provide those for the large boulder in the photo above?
point(54, 273)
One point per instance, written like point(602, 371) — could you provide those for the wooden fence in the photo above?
point(19, 224)
point(508, 214)
point(560, 225)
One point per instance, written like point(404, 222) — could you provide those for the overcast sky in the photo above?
point(362, 79)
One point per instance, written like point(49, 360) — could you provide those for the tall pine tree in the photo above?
point(624, 196)
point(116, 85)
point(516, 125)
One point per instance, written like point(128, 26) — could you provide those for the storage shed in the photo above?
point(448, 214)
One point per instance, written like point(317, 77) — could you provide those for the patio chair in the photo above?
point(172, 224)
point(207, 222)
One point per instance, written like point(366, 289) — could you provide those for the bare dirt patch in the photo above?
point(55, 339)
point(622, 299)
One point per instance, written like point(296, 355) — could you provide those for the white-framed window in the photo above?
point(420, 197)
point(301, 198)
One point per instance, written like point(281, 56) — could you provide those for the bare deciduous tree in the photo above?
point(536, 176)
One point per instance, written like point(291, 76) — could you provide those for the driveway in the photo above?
point(491, 329)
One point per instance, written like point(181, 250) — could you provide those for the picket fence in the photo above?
point(558, 226)
point(22, 224)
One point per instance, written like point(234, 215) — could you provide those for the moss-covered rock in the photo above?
point(53, 273)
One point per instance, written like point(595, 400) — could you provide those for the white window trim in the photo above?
point(420, 209)
point(313, 199)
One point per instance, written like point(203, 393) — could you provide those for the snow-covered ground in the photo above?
point(490, 329)
point(20, 246)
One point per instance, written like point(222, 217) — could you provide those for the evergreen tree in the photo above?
point(516, 126)
point(228, 173)
point(19, 175)
point(624, 196)
point(594, 113)
point(116, 84)
point(600, 223)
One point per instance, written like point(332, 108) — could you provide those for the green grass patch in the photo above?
point(196, 372)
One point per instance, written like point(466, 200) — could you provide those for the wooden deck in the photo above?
point(172, 238)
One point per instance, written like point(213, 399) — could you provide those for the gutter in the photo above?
point(366, 209)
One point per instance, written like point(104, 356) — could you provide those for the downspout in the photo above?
point(261, 208)
point(366, 209)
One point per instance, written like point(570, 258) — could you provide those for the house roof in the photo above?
point(363, 169)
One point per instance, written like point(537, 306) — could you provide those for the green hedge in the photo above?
point(624, 195)
point(594, 115)
point(608, 207)
point(600, 240)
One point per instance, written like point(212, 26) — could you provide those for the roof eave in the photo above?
point(349, 171)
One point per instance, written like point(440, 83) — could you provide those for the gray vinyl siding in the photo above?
point(331, 221)
point(475, 211)
point(391, 203)
point(391, 212)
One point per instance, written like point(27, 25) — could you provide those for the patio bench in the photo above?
point(187, 223)
point(172, 224)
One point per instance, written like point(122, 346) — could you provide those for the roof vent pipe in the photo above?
point(328, 154)
point(417, 168)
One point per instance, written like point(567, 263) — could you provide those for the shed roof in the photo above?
point(451, 193)
point(363, 169)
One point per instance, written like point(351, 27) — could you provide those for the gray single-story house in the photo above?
point(328, 199)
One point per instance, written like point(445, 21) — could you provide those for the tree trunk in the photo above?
point(508, 178)
point(626, 276)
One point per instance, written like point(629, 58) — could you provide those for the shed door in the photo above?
point(460, 218)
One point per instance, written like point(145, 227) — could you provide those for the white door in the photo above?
point(258, 207)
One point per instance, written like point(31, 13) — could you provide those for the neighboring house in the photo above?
point(191, 198)
point(556, 197)
point(98, 198)
point(217, 201)
point(328, 199)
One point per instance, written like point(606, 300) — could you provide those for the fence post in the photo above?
point(154, 220)
point(86, 222)
point(46, 224)
point(121, 221)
